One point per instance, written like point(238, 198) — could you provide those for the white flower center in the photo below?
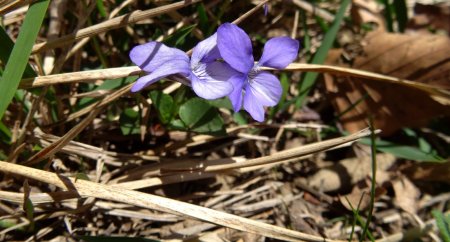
point(253, 72)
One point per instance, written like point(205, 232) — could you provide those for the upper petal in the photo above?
point(265, 89)
point(279, 52)
point(235, 96)
point(211, 80)
point(151, 55)
point(166, 69)
point(206, 50)
point(235, 47)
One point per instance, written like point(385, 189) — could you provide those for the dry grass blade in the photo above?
point(10, 5)
point(295, 152)
point(250, 12)
point(82, 76)
point(114, 23)
point(119, 72)
point(60, 143)
point(182, 171)
point(91, 189)
point(112, 73)
point(439, 94)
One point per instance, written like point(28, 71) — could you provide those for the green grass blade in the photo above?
point(388, 15)
point(321, 54)
point(404, 151)
point(443, 223)
point(401, 14)
point(373, 149)
point(7, 46)
point(18, 60)
point(101, 8)
point(5, 133)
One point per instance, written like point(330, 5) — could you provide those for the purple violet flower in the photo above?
point(208, 77)
point(254, 88)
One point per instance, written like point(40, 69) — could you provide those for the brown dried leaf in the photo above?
point(347, 172)
point(436, 16)
point(431, 172)
point(422, 58)
point(406, 194)
point(359, 198)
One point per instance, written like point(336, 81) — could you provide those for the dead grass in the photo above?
point(81, 176)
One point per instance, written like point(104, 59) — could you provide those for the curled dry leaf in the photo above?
point(424, 59)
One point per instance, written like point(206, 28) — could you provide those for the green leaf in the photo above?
point(164, 104)
point(239, 118)
point(202, 117)
point(177, 124)
point(403, 151)
point(443, 224)
point(221, 103)
point(18, 60)
point(129, 122)
point(321, 54)
point(177, 38)
point(114, 239)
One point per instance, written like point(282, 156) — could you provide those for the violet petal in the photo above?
point(167, 69)
point(235, 96)
point(211, 80)
point(279, 52)
point(263, 90)
point(152, 55)
point(266, 88)
point(235, 47)
point(252, 106)
point(206, 50)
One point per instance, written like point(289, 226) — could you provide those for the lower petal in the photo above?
point(162, 71)
point(252, 106)
point(235, 96)
point(143, 82)
point(211, 80)
point(266, 88)
point(263, 90)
